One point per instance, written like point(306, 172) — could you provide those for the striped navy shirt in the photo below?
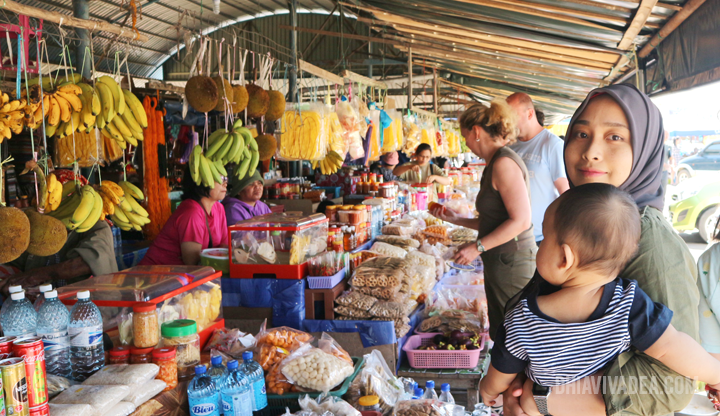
point(553, 353)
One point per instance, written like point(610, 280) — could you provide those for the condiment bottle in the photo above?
point(119, 355)
point(353, 238)
point(146, 331)
point(347, 239)
point(140, 355)
point(165, 359)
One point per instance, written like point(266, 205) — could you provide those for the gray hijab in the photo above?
point(647, 134)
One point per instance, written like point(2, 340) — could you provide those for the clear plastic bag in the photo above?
point(274, 345)
point(411, 133)
point(389, 250)
point(424, 407)
point(70, 409)
point(133, 376)
point(379, 272)
point(330, 346)
point(451, 320)
point(100, 398)
point(384, 293)
point(394, 229)
point(148, 390)
point(418, 258)
point(351, 312)
point(277, 383)
point(85, 147)
point(303, 134)
point(231, 342)
point(356, 299)
point(464, 298)
point(57, 384)
point(405, 243)
point(121, 409)
point(324, 403)
point(376, 379)
point(464, 279)
point(315, 369)
point(389, 310)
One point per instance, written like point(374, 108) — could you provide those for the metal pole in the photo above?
point(292, 82)
point(81, 10)
point(410, 80)
point(370, 66)
point(435, 91)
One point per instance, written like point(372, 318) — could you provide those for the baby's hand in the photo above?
point(487, 398)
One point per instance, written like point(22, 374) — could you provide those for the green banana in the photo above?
point(237, 124)
point(221, 168)
point(195, 163)
point(243, 168)
point(217, 144)
point(206, 173)
point(225, 148)
point(253, 163)
point(216, 175)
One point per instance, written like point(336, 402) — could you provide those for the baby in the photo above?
point(577, 315)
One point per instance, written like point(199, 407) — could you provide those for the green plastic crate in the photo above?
point(277, 403)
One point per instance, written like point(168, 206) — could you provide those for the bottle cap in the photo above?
point(15, 289)
point(45, 288)
point(216, 360)
point(179, 328)
point(445, 387)
point(418, 392)
point(51, 294)
point(247, 355)
point(83, 295)
point(200, 369)
point(165, 352)
point(119, 352)
point(144, 307)
point(369, 400)
point(430, 384)
point(232, 364)
point(18, 296)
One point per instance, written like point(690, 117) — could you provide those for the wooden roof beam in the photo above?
point(349, 75)
point(641, 16)
point(670, 26)
point(319, 72)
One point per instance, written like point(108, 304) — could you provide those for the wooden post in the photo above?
point(410, 80)
point(81, 10)
point(435, 91)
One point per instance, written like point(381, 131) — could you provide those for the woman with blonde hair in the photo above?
point(505, 234)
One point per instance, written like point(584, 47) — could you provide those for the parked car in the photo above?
point(708, 159)
point(695, 205)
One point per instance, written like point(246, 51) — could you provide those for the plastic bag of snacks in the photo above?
point(464, 298)
point(405, 243)
point(388, 250)
point(411, 133)
point(447, 321)
point(330, 346)
point(389, 310)
point(356, 299)
point(418, 258)
point(232, 342)
point(303, 135)
point(315, 369)
point(100, 398)
point(352, 312)
point(402, 326)
point(437, 231)
point(324, 403)
point(57, 384)
point(384, 293)
point(379, 272)
point(376, 379)
point(276, 344)
point(464, 279)
point(84, 147)
point(424, 407)
point(277, 383)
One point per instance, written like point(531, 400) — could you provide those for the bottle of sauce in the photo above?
point(347, 238)
point(338, 244)
point(353, 238)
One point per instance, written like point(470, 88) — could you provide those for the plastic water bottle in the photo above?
point(203, 397)
point(445, 395)
point(117, 240)
point(41, 299)
point(418, 394)
point(52, 327)
point(236, 394)
point(254, 373)
point(430, 390)
point(87, 354)
point(8, 301)
point(19, 319)
point(217, 373)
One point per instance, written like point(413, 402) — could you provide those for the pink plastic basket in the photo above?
point(440, 358)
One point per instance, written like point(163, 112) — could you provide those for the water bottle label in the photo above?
point(85, 337)
point(54, 341)
point(204, 406)
point(237, 404)
point(260, 401)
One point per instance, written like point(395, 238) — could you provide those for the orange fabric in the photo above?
point(156, 188)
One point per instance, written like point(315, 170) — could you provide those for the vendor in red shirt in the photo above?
point(197, 223)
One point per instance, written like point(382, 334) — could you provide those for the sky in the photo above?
point(694, 109)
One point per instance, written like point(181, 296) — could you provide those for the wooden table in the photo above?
point(469, 380)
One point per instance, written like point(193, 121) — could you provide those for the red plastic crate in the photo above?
point(440, 358)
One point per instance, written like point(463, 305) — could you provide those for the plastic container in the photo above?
point(20, 318)
point(146, 332)
point(369, 404)
point(217, 370)
point(41, 299)
point(467, 359)
point(255, 374)
point(52, 327)
point(141, 355)
point(217, 258)
point(326, 282)
point(119, 355)
point(203, 397)
point(165, 359)
point(182, 334)
point(417, 393)
point(236, 395)
point(445, 395)
point(87, 354)
point(331, 212)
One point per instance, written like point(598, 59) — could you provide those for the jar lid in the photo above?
point(166, 352)
point(179, 328)
point(119, 352)
point(144, 307)
point(140, 351)
point(369, 400)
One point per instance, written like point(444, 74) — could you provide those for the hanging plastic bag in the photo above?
point(303, 135)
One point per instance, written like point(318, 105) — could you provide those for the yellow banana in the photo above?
point(136, 107)
point(130, 189)
point(73, 99)
point(94, 215)
point(120, 213)
point(107, 101)
point(114, 188)
point(118, 96)
point(122, 127)
point(70, 88)
point(132, 124)
point(65, 108)
point(86, 205)
point(137, 208)
point(124, 204)
point(54, 112)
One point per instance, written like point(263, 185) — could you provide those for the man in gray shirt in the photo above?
point(542, 153)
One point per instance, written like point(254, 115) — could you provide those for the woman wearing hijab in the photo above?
point(197, 223)
point(243, 199)
point(616, 137)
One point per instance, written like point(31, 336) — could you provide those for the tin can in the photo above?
point(6, 347)
point(43, 410)
point(34, 353)
point(15, 386)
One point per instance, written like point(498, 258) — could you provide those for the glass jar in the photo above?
point(140, 355)
point(369, 404)
point(182, 334)
point(331, 212)
point(119, 355)
point(337, 244)
point(165, 359)
point(146, 333)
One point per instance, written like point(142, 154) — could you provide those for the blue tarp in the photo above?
point(286, 297)
point(372, 333)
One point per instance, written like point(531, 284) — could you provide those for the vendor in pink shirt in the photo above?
point(243, 199)
point(197, 223)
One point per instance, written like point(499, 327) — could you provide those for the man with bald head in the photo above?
point(542, 153)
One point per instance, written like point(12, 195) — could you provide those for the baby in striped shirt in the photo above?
point(576, 315)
